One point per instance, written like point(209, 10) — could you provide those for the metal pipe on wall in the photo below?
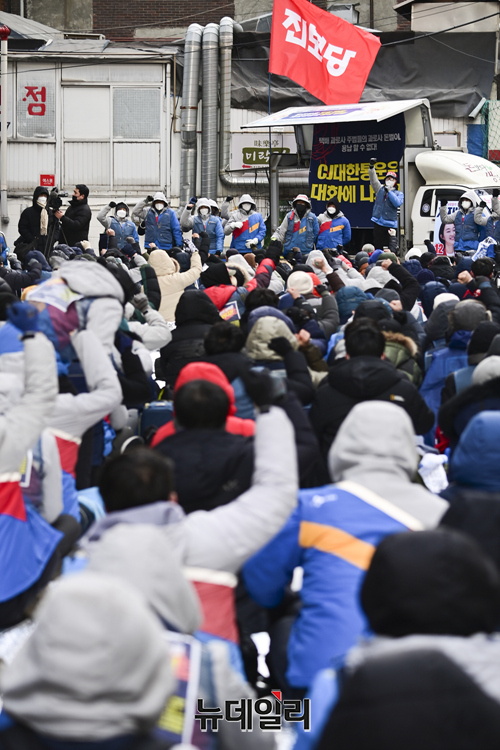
point(168, 73)
point(210, 56)
point(226, 49)
point(189, 110)
point(230, 180)
point(4, 35)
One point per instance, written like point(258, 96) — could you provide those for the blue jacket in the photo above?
point(163, 229)
point(348, 298)
point(487, 231)
point(444, 362)
point(333, 233)
point(385, 208)
point(27, 542)
point(122, 230)
point(253, 227)
point(332, 534)
point(467, 232)
point(413, 266)
point(213, 228)
point(474, 462)
point(301, 234)
point(496, 232)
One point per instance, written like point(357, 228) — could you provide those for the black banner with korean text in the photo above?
point(340, 161)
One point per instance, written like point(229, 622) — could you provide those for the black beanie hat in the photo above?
point(426, 258)
point(481, 340)
point(431, 582)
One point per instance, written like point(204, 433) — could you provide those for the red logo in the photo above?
point(47, 180)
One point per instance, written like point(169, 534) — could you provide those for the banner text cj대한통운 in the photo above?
point(340, 161)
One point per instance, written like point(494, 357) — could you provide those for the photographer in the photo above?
point(75, 222)
point(35, 224)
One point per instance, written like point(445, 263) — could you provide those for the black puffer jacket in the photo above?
point(364, 379)
point(29, 223)
point(76, 222)
point(214, 467)
point(20, 279)
point(456, 413)
point(195, 314)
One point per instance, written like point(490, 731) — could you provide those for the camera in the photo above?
point(54, 201)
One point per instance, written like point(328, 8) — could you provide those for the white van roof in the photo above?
point(457, 168)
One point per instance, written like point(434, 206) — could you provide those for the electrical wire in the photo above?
point(425, 13)
point(442, 31)
point(467, 54)
point(158, 58)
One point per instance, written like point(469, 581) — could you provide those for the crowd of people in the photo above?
point(202, 442)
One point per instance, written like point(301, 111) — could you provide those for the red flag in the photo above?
point(326, 55)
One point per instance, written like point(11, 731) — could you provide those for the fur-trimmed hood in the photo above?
point(395, 337)
point(239, 262)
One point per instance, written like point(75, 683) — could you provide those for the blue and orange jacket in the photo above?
point(333, 232)
point(253, 228)
point(332, 534)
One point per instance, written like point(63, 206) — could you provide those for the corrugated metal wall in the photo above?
point(27, 161)
point(451, 125)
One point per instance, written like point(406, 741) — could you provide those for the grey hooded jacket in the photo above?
point(138, 554)
point(21, 425)
point(375, 448)
point(96, 666)
point(104, 314)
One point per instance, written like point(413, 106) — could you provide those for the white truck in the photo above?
point(339, 162)
point(446, 175)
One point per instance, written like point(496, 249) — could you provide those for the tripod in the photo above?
point(54, 225)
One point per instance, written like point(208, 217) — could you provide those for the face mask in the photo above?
point(215, 211)
point(159, 206)
point(121, 213)
point(42, 200)
point(331, 210)
point(390, 183)
point(300, 210)
point(204, 211)
point(246, 207)
point(466, 205)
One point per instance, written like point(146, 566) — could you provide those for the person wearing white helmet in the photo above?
point(161, 225)
point(205, 221)
point(246, 225)
point(115, 218)
point(299, 228)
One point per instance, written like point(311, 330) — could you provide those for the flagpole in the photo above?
point(270, 158)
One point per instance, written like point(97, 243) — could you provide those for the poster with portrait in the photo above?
point(444, 234)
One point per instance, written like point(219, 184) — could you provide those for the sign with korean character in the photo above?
point(36, 104)
point(252, 149)
point(47, 180)
point(340, 162)
point(326, 55)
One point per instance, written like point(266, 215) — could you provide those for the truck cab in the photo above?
point(447, 175)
